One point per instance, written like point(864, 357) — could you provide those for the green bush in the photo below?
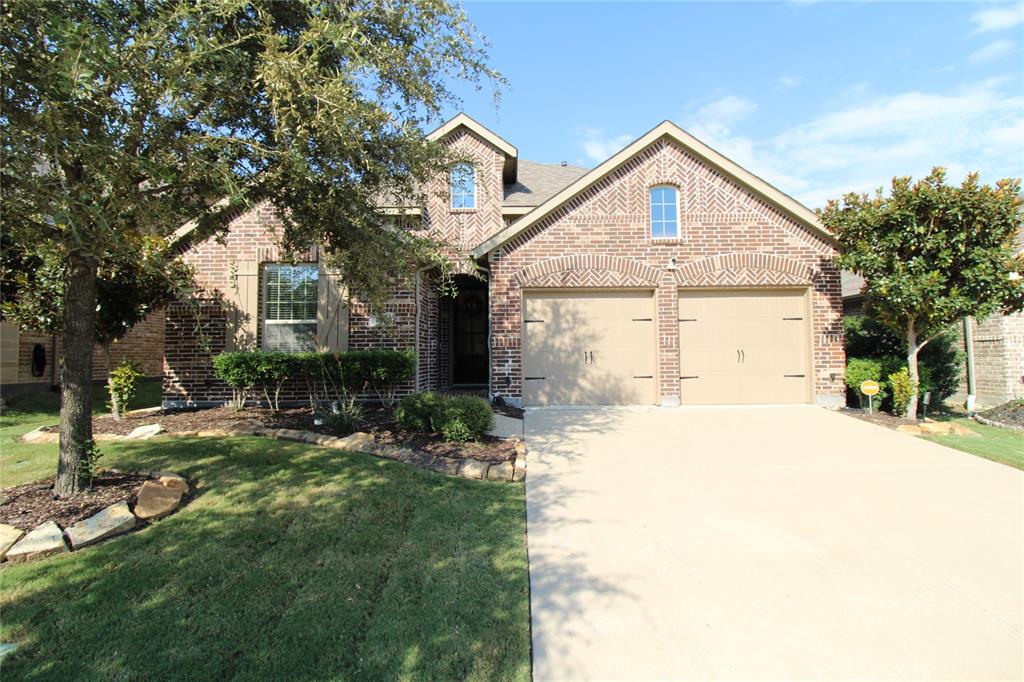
point(902, 390)
point(329, 376)
point(346, 419)
point(420, 411)
point(859, 370)
point(939, 362)
point(122, 385)
point(456, 418)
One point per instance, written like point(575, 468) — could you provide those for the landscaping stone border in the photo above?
point(357, 442)
point(159, 496)
point(998, 424)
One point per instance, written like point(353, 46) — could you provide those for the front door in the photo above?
point(469, 336)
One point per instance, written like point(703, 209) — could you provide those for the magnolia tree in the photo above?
point(932, 253)
point(124, 120)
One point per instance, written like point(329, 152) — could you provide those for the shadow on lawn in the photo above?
point(291, 562)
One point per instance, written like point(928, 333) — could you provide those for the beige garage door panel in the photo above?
point(589, 348)
point(743, 347)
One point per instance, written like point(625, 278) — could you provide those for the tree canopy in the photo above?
point(933, 253)
point(123, 120)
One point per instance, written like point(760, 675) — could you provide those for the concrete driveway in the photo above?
point(766, 543)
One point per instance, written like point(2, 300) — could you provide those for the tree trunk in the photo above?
point(912, 350)
point(76, 373)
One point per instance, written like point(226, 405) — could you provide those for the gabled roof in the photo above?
point(538, 182)
point(727, 167)
point(478, 129)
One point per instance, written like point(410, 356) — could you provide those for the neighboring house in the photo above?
point(667, 275)
point(993, 351)
point(28, 360)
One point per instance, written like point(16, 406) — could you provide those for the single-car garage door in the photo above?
point(589, 348)
point(743, 347)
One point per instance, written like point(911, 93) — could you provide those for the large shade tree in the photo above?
point(932, 253)
point(124, 119)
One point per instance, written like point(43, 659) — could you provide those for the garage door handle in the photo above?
point(793, 376)
point(687, 319)
point(737, 357)
point(531, 321)
point(643, 376)
point(693, 377)
point(743, 356)
point(533, 378)
point(792, 318)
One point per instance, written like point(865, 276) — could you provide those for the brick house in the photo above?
point(667, 275)
point(29, 359)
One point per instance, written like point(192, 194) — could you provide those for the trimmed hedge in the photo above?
point(329, 376)
point(455, 417)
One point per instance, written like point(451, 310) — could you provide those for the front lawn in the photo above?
point(999, 445)
point(291, 562)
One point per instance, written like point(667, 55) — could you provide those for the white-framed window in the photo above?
point(463, 186)
point(664, 212)
point(289, 307)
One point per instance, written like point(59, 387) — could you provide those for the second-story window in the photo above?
point(664, 213)
point(463, 186)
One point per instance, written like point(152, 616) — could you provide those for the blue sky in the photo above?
point(818, 98)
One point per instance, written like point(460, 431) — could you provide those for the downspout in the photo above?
point(971, 379)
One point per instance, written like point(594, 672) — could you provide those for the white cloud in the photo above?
point(728, 109)
point(860, 145)
point(790, 81)
point(991, 52)
point(997, 18)
point(598, 146)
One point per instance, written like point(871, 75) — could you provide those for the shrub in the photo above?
point(421, 411)
point(382, 370)
point(939, 362)
point(859, 370)
point(122, 385)
point(236, 370)
point(902, 390)
point(456, 418)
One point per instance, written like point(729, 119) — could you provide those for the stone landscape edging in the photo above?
point(509, 471)
point(167, 489)
point(996, 423)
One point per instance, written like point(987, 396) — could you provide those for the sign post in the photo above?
point(869, 388)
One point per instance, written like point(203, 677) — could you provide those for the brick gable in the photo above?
point(728, 237)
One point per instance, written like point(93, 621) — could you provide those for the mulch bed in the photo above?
point(28, 505)
point(1011, 413)
point(880, 418)
point(378, 421)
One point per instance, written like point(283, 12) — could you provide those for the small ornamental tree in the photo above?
point(931, 254)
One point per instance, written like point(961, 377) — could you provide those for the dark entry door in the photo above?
point(469, 337)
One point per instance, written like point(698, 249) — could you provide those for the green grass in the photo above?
point(999, 445)
point(21, 462)
point(291, 562)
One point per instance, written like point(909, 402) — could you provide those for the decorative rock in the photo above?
point(391, 452)
point(474, 468)
point(290, 434)
point(155, 501)
point(500, 472)
point(961, 430)
point(143, 432)
point(358, 442)
point(211, 433)
point(249, 427)
point(318, 438)
point(446, 465)
point(101, 437)
point(183, 434)
point(40, 436)
point(171, 480)
point(935, 428)
point(113, 520)
point(420, 459)
point(520, 448)
point(8, 536)
point(519, 469)
point(912, 429)
point(44, 540)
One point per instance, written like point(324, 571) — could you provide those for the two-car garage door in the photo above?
point(593, 347)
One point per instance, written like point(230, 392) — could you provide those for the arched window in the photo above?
point(463, 186)
point(664, 212)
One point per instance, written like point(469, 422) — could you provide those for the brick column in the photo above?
point(667, 301)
